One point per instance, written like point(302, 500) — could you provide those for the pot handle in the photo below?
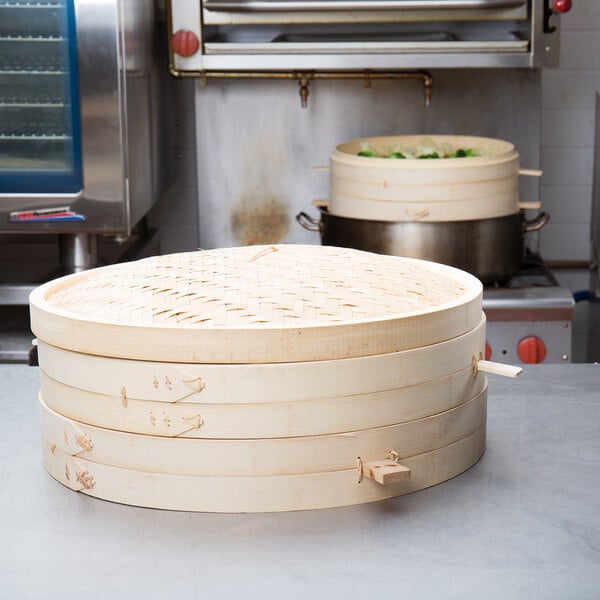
point(537, 223)
point(531, 172)
point(308, 222)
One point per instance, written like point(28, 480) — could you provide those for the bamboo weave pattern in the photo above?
point(261, 285)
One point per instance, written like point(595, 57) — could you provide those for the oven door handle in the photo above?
point(348, 5)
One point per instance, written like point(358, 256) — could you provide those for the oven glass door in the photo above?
point(40, 150)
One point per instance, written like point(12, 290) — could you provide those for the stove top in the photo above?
point(533, 273)
point(529, 316)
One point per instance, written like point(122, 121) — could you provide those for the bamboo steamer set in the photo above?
point(432, 190)
point(262, 378)
point(462, 210)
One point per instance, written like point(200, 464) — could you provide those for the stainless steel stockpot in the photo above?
point(491, 249)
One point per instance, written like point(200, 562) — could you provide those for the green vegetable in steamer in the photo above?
point(425, 149)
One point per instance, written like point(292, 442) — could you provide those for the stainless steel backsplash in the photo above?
point(257, 148)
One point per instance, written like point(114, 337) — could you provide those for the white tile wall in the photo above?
point(567, 134)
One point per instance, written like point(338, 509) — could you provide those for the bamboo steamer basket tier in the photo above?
point(173, 383)
point(449, 189)
point(260, 457)
point(257, 304)
point(262, 400)
point(256, 494)
point(259, 420)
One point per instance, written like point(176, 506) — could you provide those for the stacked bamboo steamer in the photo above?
point(260, 378)
point(431, 190)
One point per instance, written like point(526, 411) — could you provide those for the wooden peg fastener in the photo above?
point(385, 471)
point(495, 368)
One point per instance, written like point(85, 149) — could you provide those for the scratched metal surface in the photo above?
point(522, 523)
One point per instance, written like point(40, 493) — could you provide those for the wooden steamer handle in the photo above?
point(496, 368)
point(531, 172)
point(389, 470)
point(385, 471)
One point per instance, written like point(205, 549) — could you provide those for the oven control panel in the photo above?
point(529, 342)
point(529, 325)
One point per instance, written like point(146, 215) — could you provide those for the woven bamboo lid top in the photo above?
point(257, 286)
point(254, 288)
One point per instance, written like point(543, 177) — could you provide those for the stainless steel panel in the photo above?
point(329, 62)
point(102, 104)
point(390, 15)
point(380, 48)
point(253, 182)
point(595, 224)
point(371, 5)
point(529, 304)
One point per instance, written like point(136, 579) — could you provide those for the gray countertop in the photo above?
point(522, 523)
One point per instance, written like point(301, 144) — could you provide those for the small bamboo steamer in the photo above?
point(259, 304)
point(480, 187)
point(258, 494)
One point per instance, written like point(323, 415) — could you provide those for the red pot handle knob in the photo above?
point(185, 42)
point(531, 350)
point(562, 6)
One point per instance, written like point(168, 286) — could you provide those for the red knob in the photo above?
point(488, 351)
point(562, 6)
point(531, 350)
point(185, 42)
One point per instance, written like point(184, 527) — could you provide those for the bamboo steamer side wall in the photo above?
point(261, 383)
point(254, 420)
point(260, 457)
point(257, 494)
point(469, 188)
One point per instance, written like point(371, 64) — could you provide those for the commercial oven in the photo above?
point(79, 107)
point(212, 36)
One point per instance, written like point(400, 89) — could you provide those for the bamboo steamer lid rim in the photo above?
point(496, 151)
point(39, 297)
point(266, 304)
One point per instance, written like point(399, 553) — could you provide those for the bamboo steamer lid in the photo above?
point(447, 189)
point(257, 304)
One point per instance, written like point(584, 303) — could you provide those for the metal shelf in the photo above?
point(25, 65)
point(39, 5)
point(32, 72)
point(12, 100)
point(31, 38)
point(38, 138)
point(33, 104)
